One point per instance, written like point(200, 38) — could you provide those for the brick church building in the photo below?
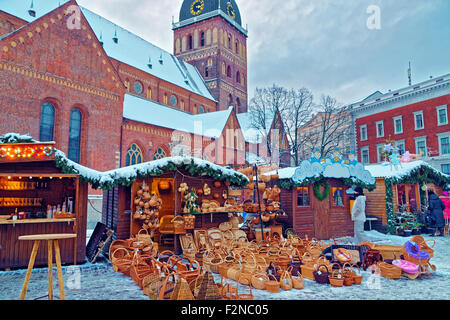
point(109, 98)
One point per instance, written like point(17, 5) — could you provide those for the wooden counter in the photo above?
point(25, 221)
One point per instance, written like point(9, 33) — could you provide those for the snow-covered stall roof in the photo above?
point(130, 49)
point(250, 133)
point(207, 124)
point(126, 175)
point(402, 171)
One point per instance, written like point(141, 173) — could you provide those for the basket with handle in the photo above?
point(244, 296)
point(213, 261)
point(140, 269)
point(125, 244)
point(272, 285)
point(286, 280)
point(193, 271)
point(228, 292)
point(283, 260)
point(178, 225)
point(348, 274)
point(357, 277)
point(151, 283)
point(321, 274)
point(189, 221)
point(234, 272)
point(296, 262)
point(273, 270)
point(336, 279)
point(259, 280)
point(297, 281)
point(228, 262)
point(122, 263)
point(307, 268)
point(168, 286)
point(272, 254)
point(144, 238)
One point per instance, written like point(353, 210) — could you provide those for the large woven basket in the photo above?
point(189, 221)
point(259, 280)
point(208, 288)
point(272, 285)
point(390, 271)
point(297, 281)
point(182, 291)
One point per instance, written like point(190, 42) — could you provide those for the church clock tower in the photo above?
point(210, 36)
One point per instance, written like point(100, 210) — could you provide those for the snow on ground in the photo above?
point(99, 282)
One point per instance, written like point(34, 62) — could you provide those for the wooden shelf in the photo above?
point(26, 221)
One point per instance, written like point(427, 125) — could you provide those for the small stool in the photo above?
point(51, 238)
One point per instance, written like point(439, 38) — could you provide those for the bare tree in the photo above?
point(263, 108)
point(329, 128)
point(295, 115)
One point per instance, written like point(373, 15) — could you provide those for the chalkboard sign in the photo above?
point(98, 240)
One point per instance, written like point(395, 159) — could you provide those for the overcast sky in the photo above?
point(324, 45)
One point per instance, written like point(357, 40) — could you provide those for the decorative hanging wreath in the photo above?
point(317, 192)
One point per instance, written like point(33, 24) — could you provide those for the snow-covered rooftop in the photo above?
point(130, 49)
point(209, 124)
point(403, 170)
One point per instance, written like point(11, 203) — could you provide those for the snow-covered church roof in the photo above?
point(209, 124)
point(130, 49)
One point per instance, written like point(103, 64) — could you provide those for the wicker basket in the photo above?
point(259, 280)
point(348, 274)
point(390, 271)
point(357, 277)
point(286, 281)
point(321, 274)
point(234, 272)
point(182, 291)
point(178, 224)
point(336, 279)
point(208, 288)
point(272, 285)
point(297, 281)
point(189, 221)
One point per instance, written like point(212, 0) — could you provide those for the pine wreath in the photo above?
point(321, 195)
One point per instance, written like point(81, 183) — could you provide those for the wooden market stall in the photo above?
point(316, 201)
point(402, 189)
point(30, 184)
point(149, 196)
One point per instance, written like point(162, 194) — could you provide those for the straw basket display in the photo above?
point(121, 260)
point(166, 290)
point(283, 260)
point(212, 262)
point(272, 285)
point(208, 289)
point(307, 268)
point(348, 274)
point(139, 270)
point(390, 271)
point(244, 296)
point(234, 272)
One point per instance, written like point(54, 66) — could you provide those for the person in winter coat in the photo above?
point(436, 208)
point(359, 214)
point(446, 200)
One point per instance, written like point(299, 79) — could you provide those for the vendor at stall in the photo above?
point(359, 215)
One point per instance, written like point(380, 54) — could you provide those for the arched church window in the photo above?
point(75, 135)
point(238, 77)
point(134, 155)
point(202, 39)
point(47, 122)
point(190, 42)
point(229, 72)
point(159, 154)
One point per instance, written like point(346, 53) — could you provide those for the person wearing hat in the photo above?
point(359, 215)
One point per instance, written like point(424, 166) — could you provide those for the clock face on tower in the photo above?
point(230, 10)
point(197, 7)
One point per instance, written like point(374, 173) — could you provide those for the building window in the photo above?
point(363, 132)
point(47, 122)
point(380, 152)
point(190, 42)
point(134, 155)
point(442, 115)
point(224, 68)
point(398, 125)
point(182, 105)
point(165, 99)
point(236, 47)
point(210, 62)
point(202, 39)
point(238, 104)
point(380, 129)
point(338, 196)
point(230, 100)
point(365, 155)
point(229, 72)
point(418, 120)
point(445, 168)
point(75, 135)
point(206, 72)
point(149, 93)
point(444, 143)
point(302, 197)
point(400, 145)
point(159, 154)
point(173, 100)
point(421, 145)
point(138, 88)
point(238, 77)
